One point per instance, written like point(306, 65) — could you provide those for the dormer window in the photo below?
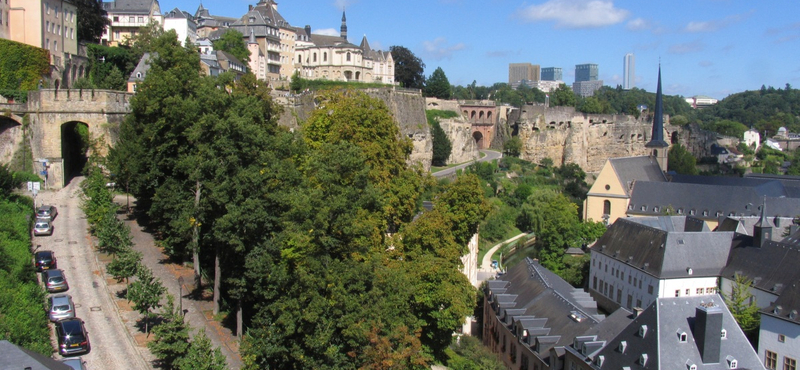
point(622, 346)
point(643, 359)
point(642, 331)
point(682, 336)
point(600, 359)
point(732, 363)
point(724, 334)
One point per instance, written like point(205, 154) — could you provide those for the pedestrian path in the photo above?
point(486, 270)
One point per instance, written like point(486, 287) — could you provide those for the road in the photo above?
point(112, 346)
point(489, 155)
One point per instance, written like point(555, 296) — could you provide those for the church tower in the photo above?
point(658, 147)
point(343, 29)
point(762, 231)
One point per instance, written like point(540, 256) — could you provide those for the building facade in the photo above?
point(127, 17)
point(586, 88)
point(586, 72)
point(552, 74)
point(628, 71)
point(523, 71)
point(183, 23)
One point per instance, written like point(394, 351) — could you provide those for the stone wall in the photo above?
point(10, 139)
point(459, 132)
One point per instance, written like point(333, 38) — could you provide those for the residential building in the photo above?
point(258, 61)
point(531, 315)
point(752, 139)
point(779, 334)
point(5, 29)
point(628, 71)
point(50, 25)
point(586, 72)
point(692, 333)
point(641, 259)
point(548, 86)
point(127, 17)
point(701, 101)
point(183, 23)
point(523, 71)
point(551, 74)
point(139, 73)
point(586, 88)
point(265, 23)
point(207, 23)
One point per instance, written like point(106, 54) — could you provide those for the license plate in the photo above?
point(74, 345)
point(45, 267)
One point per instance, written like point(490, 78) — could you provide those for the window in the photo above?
point(619, 295)
point(699, 291)
point(638, 303)
point(613, 272)
point(594, 282)
point(47, 26)
point(687, 292)
point(634, 283)
point(606, 207)
point(677, 292)
point(47, 44)
point(141, 19)
point(315, 57)
point(630, 302)
point(55, 45)
point(56, 10)
point(348, 56)
point(723, 334)
point(629, 279)
point(682, 337)
point(47, 7)
point(59, 29)
point(116, 19)
point(770, 360)
point(622, 276)
point(710, 290)
point(324, 57)
point(789, 363)
point(132, 19)
point(781, 338)
point(649, 289)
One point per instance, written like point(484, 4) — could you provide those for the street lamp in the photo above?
point(180, 289)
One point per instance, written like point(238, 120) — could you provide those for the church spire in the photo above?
point(762, 230)
point(343, 29)
point(657, 144)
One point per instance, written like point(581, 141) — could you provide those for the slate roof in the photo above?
point(666, 319)
point(773, 267)
point(177, 13)
point(667, 252)
point(529, 297)
point(787, 306)
point(15, 357)
point(142, 68)
point(734, 200)
point(325, 40)
point(128, 6)
point(630, 170)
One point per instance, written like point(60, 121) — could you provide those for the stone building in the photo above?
point(127, 17)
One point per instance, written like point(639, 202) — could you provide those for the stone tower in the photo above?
point(658, 147)
point(343, 29)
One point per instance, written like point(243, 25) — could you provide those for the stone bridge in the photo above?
point(483, 117)
point(52, 121)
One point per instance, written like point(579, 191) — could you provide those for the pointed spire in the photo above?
point(252, 37)
point(657, 136)
point(343, 29)
point(365, 45)
point(764, 220)
point(762, 230)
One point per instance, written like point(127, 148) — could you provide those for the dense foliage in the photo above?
point(408, 68)
point(232, 42)
point(109, 67)
point(22, 310)
point(92, 20)
point(441, 143)
point(766, 110)
point(21, 68)
point(681, 161)
point(437, 85)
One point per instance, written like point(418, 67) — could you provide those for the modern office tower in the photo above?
point(585, 72)
point(551, 74)
point(628, 71)
point(522, 71)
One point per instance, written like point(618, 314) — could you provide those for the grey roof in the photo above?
point(772, 267)
point(529, 297)
point(667, 252)
point(336, 41)
point(665, 320)
point(15, 357)
point(129, 6)
point(763, 186)
point(177, 13)
point(787, 306)
point(141, 69)
point(631, 170)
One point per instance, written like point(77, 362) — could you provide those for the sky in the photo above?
point(705, 47)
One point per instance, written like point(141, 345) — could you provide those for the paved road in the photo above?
point(485, 270)
point(112, 346)
point(490, 155)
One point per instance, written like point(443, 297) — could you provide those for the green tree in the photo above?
point(7, 182)
point(170, 341)
point(92, 20)
point(563, 96)
point(468, 353)
point(681, 161)
point(125, 265)
point(408, 68)
point(438, 86)
point(232, 42)
point(591, 105)
point(513, 147)
point(145, 293)
point(742, 305)
point(202, 355)
point(441, 145)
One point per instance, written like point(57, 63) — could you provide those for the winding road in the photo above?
point(489, 155)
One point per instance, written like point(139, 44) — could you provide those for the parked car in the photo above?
point(72, 337)
point(55, 281)
point(42, 227)
point(44, 260)
point(46, 213)
point(61, 307)
point(76, 363)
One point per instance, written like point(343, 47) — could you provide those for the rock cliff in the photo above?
point(460, 134)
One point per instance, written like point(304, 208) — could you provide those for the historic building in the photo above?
point(127, 17)
point(183, 23)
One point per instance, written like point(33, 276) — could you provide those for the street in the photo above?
point(112, 346)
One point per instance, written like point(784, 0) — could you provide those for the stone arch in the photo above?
point(489, 116)
point(674, 137)
point(480, 116)
point(348, 75)
point(358, 75)
point(478, 136)
point(74, 148)
point(65, 77)
point(80, 71)
point(472, 115)
point(466, 113)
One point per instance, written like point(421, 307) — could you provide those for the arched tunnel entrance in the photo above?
point(478, 136)
point(74, 146)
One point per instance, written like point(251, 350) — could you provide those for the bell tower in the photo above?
point(658, 147)
point(343, 29)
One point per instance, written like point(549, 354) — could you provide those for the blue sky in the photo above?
point(706, 47)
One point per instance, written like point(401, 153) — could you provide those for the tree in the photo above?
point(742, 305)
point(408, 69)
point(513, 147)
point(438, 86)
point(171, 337)
point(125, 265)
point(681, 161)
point(563, 96)
point(92, 20)
point(201, 355)
point(7, 182)
point(441, 145)
point(145, 293)
point(232, 42)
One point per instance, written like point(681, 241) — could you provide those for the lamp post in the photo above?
point(180, 289)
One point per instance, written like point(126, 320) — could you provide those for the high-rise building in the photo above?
point(628, 71)
point(586, 72)
point(551, 74)
point(522, 71)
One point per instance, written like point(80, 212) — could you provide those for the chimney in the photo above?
point(308, 31)
point(707, 331)
point(637, 311)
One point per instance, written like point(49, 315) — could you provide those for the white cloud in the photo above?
point(686, 48)
point(638, 24)
point(438, 49)
point(714, 25)
point(575, 13)
point(326, 32)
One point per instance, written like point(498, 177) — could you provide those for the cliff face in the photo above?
point(408, 109)
point(463, 145)
point(567, 136)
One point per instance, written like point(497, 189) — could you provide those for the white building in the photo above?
point(127, 17)
point(183, 23)
point(628, 71)
point(752, 138)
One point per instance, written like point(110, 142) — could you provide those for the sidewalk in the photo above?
point(485, 270)
point(198, 312)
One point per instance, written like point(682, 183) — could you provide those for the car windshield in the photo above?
point(56, 279)
point(44, 212)
point(63, 307)
point(73, 332)
point(41, 225)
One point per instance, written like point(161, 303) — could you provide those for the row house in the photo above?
point(127, 17)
